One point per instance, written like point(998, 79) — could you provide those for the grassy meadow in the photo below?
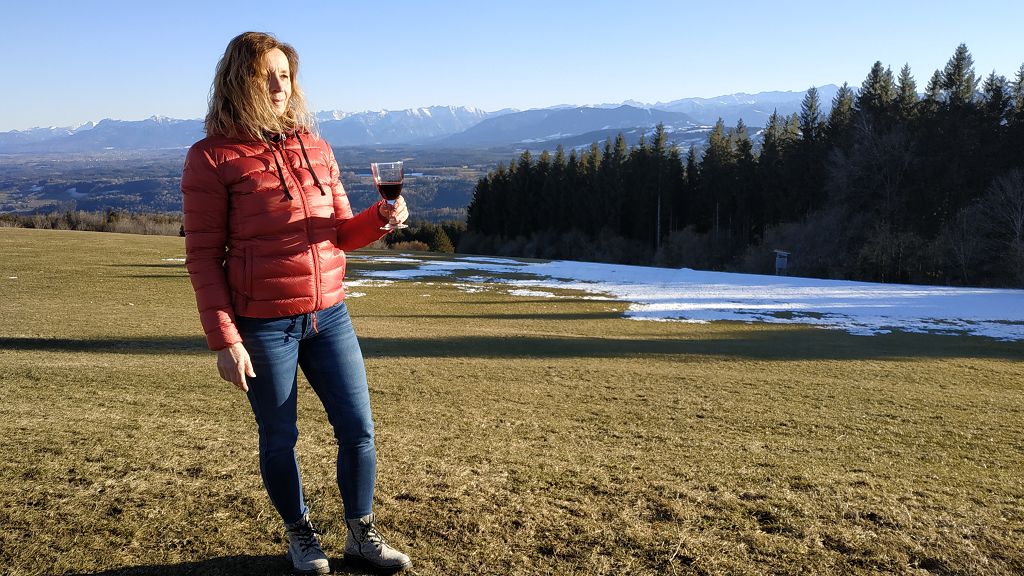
point(516, 435)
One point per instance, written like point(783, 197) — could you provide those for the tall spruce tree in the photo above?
point(996, 99)
point(1015, 134)
point(692, 187)
point(663, 184)
point(772, 169)
point(746, 210)
point(958, 79)
point(811, 125)
point(609, 191)
point(556, 194)
point(877, 93)
point(809, 156)
point(839, 125)
point(906, 95)
point(717, 179)
point(933, 96)
point(1017, 95)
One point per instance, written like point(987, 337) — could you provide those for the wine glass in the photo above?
point(388, 176)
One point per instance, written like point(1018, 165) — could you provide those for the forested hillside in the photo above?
point(891, 185)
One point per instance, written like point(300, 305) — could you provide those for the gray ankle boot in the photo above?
point(304, 551)
point(367, 549)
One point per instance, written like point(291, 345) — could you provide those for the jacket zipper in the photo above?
point(314, 253)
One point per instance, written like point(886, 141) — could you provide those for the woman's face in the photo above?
point(279, 80)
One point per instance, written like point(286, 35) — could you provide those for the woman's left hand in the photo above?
point(395, 214)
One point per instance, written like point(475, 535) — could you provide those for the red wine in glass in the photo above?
point(389, 190)
point(388, 176)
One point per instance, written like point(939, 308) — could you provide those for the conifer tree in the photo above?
point(933, 97)
point(691, 187)
point(555, 193)
point(621, 152)
point(811, 126)
point(958, 79)
point(439, 241)
point(906, 95)
point(772, 168)
point(609, 195)
point(840, 118)
point(745, 209)
point(523, 198)
point(662, 183)
point(996, 99)
point(543, 201)
point(996, 154)
point(809, 156)
point(717, 180)
point(573, 182)
point(677, 191)
point(793, 127)
point(1015, 133)
point(1017, 95)
point(587, 198)
point(877, 93)
point(475, 210)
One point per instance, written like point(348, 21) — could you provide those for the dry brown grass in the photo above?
point(516, 435)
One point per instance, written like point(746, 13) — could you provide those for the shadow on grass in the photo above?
point(808, 344)
point(787, 344)
point(517, 316)
point(225, 566)
point(180, 265)
point(125, 345)
point(228, 565)
point(185, 276)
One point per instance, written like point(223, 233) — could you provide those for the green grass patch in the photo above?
point(516, 435)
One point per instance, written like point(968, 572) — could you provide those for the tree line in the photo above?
point(890, 185)
point(421, 235)
point(109, 220)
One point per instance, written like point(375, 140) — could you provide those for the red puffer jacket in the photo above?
point(266, 229)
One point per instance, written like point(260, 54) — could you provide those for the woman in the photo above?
point(267, 225)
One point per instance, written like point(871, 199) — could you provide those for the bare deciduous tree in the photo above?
point(1003, 206)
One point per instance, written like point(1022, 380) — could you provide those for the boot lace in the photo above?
point(305, 535)
point(368, 533)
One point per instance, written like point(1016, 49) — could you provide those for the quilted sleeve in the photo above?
point(205, 206)
point(354, 231)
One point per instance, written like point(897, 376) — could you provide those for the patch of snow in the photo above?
point(686, 295)
point(537, 293)
point(470, 288)
point(367, 282)
point(383, 259)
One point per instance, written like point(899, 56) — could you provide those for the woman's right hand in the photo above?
point(234, 365)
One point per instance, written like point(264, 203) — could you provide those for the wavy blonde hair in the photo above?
point(240, 105)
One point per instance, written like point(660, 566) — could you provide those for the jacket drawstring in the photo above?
point(275, 138)
point(310, 165)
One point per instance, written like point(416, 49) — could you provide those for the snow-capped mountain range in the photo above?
point(686, 120)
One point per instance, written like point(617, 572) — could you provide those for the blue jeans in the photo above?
point(326, 349)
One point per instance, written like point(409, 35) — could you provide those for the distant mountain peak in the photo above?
point(442, 125)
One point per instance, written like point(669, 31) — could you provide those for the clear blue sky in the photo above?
point(70, 62)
